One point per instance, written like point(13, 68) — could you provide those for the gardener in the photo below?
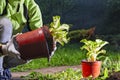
point(17, 16)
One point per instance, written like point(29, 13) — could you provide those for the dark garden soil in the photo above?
point(50, 70)
point(114, 76)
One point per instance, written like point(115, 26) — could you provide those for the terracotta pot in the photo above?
point(96, 66)
point(91, 68)
point(33, 44)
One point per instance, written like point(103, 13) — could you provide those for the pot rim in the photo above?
point(90, 61)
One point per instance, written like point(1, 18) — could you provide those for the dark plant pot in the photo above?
point(91, 68)
point(33, 44)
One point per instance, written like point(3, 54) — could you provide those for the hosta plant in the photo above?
point(59, 31)
point(94, 48)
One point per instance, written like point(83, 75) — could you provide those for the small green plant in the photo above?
point(59, 31)
point(94, 48)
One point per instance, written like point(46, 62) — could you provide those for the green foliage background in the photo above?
point(113, 18)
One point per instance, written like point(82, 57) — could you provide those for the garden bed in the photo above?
point(64, 57)
point(50, 72)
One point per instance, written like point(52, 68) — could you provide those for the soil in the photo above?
point(49, 70)
point(114, 76)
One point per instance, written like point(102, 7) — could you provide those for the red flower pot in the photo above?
point(86, 68)
point(91, 68)
point(33, 44)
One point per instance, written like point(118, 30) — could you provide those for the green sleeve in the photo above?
point(2, 6)
point(34, 13)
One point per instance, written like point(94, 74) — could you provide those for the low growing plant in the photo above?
point(68, 74)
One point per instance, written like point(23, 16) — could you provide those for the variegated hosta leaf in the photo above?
point(64, 27)
point(56, 21)
point(102, 51)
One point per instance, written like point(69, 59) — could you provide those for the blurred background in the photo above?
point(104, 14)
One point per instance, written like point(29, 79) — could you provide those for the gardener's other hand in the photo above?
point(10, 48)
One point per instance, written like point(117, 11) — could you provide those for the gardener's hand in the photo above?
point(10, 48)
